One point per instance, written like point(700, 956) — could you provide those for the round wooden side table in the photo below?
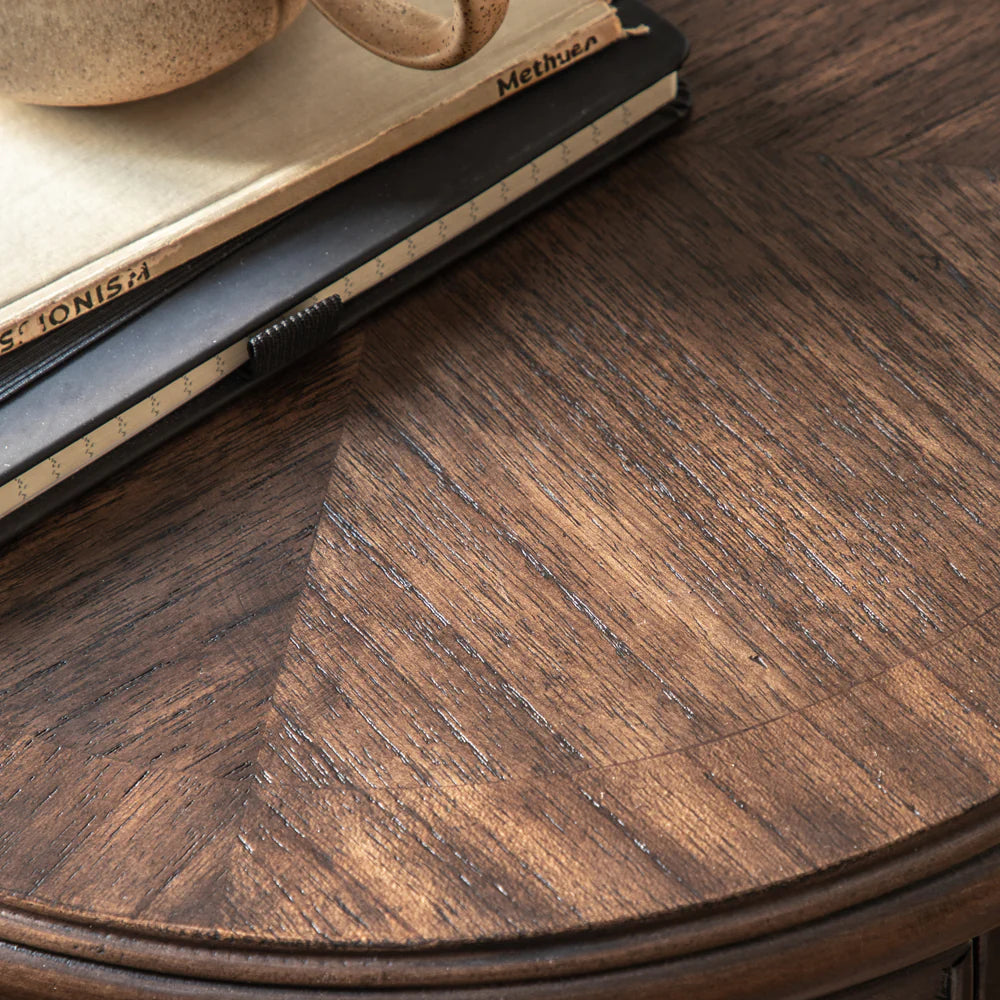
point(615, 616)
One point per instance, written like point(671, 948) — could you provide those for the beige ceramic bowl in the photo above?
point(83, 52)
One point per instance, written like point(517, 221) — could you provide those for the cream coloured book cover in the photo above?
point(96, 201)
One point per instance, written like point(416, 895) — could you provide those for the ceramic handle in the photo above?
point(405, 34)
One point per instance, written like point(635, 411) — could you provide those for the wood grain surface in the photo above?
point(615, 615)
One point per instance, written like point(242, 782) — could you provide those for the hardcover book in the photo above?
point(95, 202)
point(84, 399)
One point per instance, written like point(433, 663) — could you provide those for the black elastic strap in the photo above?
point(289, 338)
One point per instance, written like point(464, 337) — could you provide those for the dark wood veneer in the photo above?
point(614, 616)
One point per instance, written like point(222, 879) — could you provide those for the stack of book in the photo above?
point(161, 257)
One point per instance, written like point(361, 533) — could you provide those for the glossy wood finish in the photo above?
point(616, 614)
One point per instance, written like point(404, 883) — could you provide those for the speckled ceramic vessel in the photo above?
point(85, 52)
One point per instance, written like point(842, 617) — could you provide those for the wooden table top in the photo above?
point(622, 596)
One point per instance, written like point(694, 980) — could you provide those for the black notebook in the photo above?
point(80, 403)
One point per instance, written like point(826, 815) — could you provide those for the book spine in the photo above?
point(537, 66)
point(97, 284)
point(57, 312)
